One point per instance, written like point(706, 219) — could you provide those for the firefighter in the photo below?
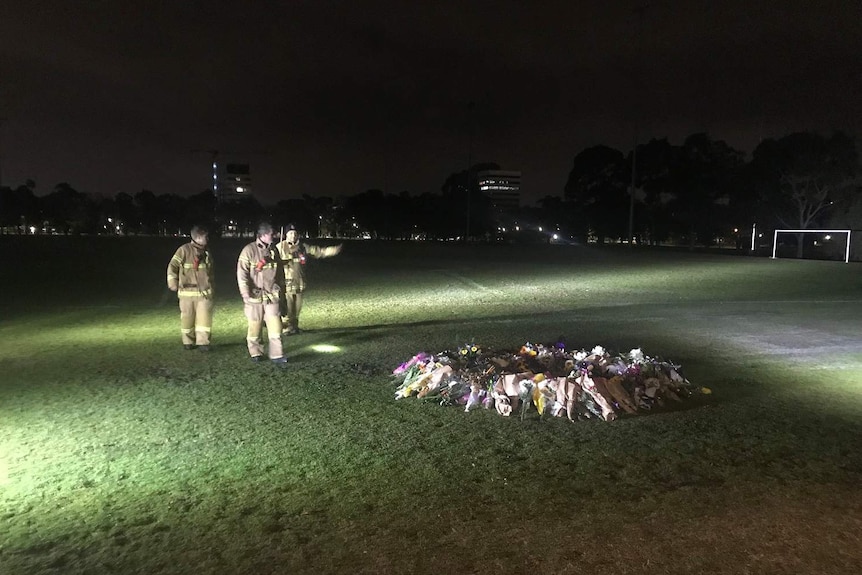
point(259, 276)
point(294, 255)
point(190, 274)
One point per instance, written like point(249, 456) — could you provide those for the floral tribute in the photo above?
point(579, 385)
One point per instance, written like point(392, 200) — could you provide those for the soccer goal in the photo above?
point(822, 238)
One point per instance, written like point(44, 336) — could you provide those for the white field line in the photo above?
point(782, 301)
point(456, 276)
point(854, 366)
point(790, 343)
point(818, 350)
point(749, 336)
point(702, 303)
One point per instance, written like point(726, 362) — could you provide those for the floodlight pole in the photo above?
point(632, 189)
point(470, 107)
point(1, 151)
point(639, 9)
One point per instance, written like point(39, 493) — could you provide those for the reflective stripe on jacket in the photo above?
point(258, 273)
point(190, 271)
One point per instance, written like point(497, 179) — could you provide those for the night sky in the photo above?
point(333, 98)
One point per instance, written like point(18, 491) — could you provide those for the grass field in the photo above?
point(122, 453)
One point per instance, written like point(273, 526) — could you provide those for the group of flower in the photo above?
point(579, 385)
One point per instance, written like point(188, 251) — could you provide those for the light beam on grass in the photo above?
point(4, 473)
point(106, 329)
point(325, 348)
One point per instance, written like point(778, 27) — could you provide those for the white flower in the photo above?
point(637, 355)
point(580, 356)
point(598, 350)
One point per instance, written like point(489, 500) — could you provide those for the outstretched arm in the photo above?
point(323, 252)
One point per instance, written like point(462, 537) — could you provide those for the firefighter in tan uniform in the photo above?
point(294, 255)
point(259, 276)
point(190, 274)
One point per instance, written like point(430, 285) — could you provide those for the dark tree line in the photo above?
point(371, 214)
point(696, 192)
point(689, 194)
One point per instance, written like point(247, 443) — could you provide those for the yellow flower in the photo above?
point(539, 400)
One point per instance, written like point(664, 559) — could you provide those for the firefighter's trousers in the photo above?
point(196, 319)
point(257, 315)
point(290, 309)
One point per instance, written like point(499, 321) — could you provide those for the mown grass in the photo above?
point(122, 453)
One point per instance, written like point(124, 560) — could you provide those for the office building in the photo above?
point(502, 187)
point(231, 182)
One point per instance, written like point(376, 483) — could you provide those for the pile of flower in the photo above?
point(579, 385)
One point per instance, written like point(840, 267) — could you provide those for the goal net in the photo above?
point(812, 244)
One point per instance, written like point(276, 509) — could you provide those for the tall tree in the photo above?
point(701, 179)
point(803, 175)
point(148, 212)
point(70, 211)
point(596, 188)
point(323, 211)
point(173, 214)
point(127, 213)
point(655, 159)
point(19, 208)
point(243, 215)
point(471, 211)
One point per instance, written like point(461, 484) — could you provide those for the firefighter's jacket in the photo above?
point(293, 257)
point(190, 271)
point(259, 273)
